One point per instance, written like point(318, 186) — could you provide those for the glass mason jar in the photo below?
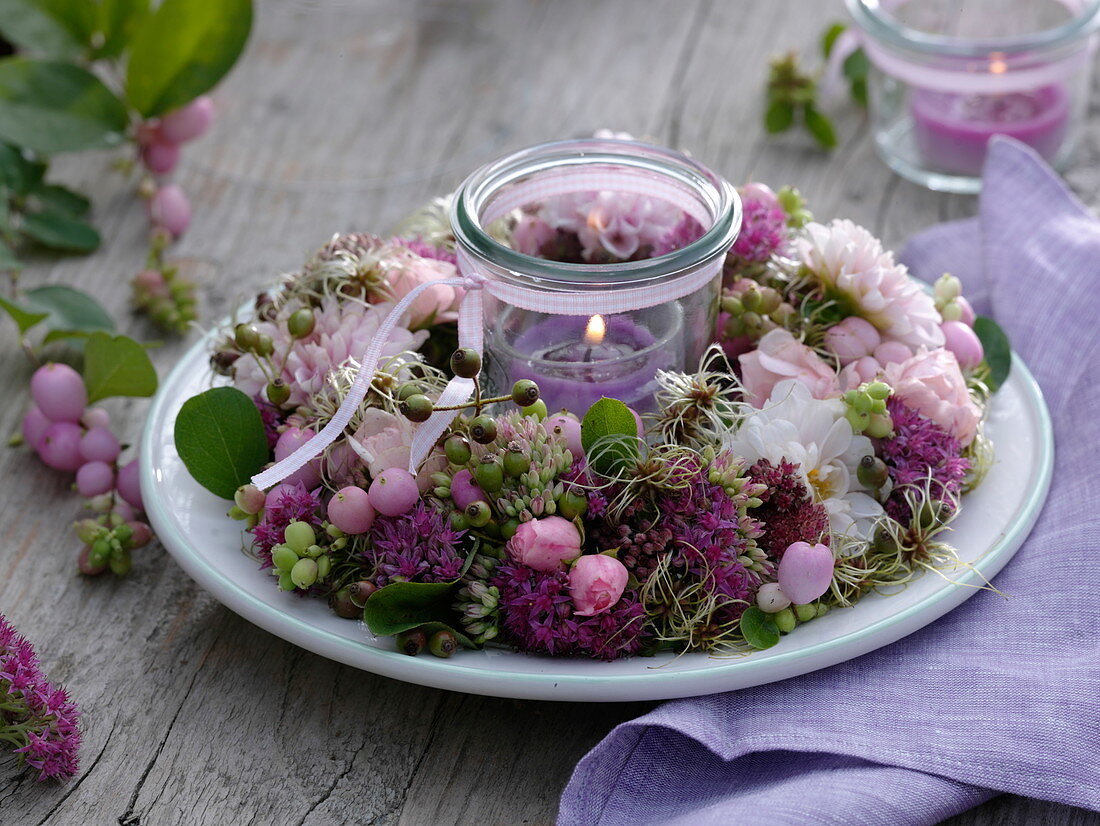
point(946, 76)
point(636, 235)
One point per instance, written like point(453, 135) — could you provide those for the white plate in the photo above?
point(996, 519)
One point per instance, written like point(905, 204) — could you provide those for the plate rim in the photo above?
point(556, 686)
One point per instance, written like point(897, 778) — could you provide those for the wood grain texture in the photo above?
point(346, 114)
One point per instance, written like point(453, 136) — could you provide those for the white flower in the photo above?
point(854, 269)
point(814, 434)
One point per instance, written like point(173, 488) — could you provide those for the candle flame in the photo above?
point(595, 331)
point(997, 65)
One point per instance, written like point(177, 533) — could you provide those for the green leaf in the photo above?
point(998, 351)
point(758, 629)
point(18, 173)
point(53, 107)
point(828, 40)
point(61, 199)
point(856, 65)
point(51, 28)
point(779, 116)
point(8, 261)
point(609, 434)
point(182, 50)
point(117, 366)
point(118, 20)
point(59, 231)
point(401, 606)
point(858, 89)
point(70, 311)
point(220, 438)
point(24, 318)
point(820, 127)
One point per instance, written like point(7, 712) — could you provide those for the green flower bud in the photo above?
point(121, 562)
point(947, 288)
point(862, 403)
point(236, 513)
point(770, 300)
point(314, 551)
point(100, 554)
point(732, 304)
point(951, 312)
point(516, 462)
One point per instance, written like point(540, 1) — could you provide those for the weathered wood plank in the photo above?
point(345, 115)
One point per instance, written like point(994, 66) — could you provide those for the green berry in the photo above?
point(120, 562)
point(857, 420)
point(417, 408)
point(285, 582)
point(489, 473)
point(878, 406)
point(284, 557)
point(862, 403)
point(805, 613)
point(411, 642)
point(299, 536)
point(235, 512)
point(459, 522)
point(508, 529)
point(247, 337)
point(732, 304)
point(265, 346)
point(878, 390)
point(516, 462)
point(478, 514)
point(341, 604)
point(465, 363)
point(301, 323)
point(100, 553)
point(751, 299)
point(124, 533)
point(483, 429)
point(880, 426)
point(525, 392)
point(443, 643)
point(360, 591)
point(571, 505)
point(304, 573)
point(88, 531)
point(457, 448)
point(324, 566)
point(770, 300)
point(410, 388)
point(278, 392)
point(784, 620)
point(314, 551)
point(872, 472)
point(537, 410)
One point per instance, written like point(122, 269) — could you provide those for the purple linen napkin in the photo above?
point(999, 695)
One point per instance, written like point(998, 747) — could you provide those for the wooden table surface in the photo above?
point(344, 115)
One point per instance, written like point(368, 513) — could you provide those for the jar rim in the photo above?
point(716, 194)
point(875, 18)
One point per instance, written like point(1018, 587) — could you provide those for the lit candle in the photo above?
point(952, 130)
point(576, 360)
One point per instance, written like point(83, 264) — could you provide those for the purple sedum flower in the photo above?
point(419, 546)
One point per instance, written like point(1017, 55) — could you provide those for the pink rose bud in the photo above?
point(596, 582)
point(892, 352)
point(967, 311)
point(805, 572)
point(964, 343)
point(170, 209)
point(545, 544)
point(291, 439)
point(859, 371)
point(569, 429)
point(464, 490)
point(160, 157)
point(853, 338)
point(188, 122)
point(761, 193)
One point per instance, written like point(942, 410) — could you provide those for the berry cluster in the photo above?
point(867, 412)
point(71, 437)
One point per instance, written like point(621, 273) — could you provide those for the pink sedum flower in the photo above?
point(779, 356)
point(932, 384)
point(854, 269)
point(596, 582)
point(545, 544)
point(383, 441)
point(341, 331)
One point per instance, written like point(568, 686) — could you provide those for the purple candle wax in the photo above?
point(577, 360)
point(952, 130)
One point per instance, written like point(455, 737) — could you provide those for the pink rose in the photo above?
point(853, 338)
point(383, 440)
point(596, 582)
point(961, 340)
point(544, 544)
point(439, 303)
point(779, 356)
point(932, 384)
point(859, 371)
point(892, 352)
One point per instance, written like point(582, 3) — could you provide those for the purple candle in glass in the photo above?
point(577, 360)
point(952, 130)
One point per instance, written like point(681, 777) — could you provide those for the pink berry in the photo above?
point(95, 417)
point(99, 445)
point(170, 209)
point(967, 317)
point(59, 392)
point(351, 511)
point(59, 446)
point(290, 440)
point(152, 283)
point(964, 343)
point(188, 122)
point(142, 533)
point(34, 425)
point(160, 157)
point(464, 490)
point(394, 492)
point(129, 484)
point(569, 429)
point(124, 510)
point(94, 478)
point(805, 572)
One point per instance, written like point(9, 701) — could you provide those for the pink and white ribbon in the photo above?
point(471, 320)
